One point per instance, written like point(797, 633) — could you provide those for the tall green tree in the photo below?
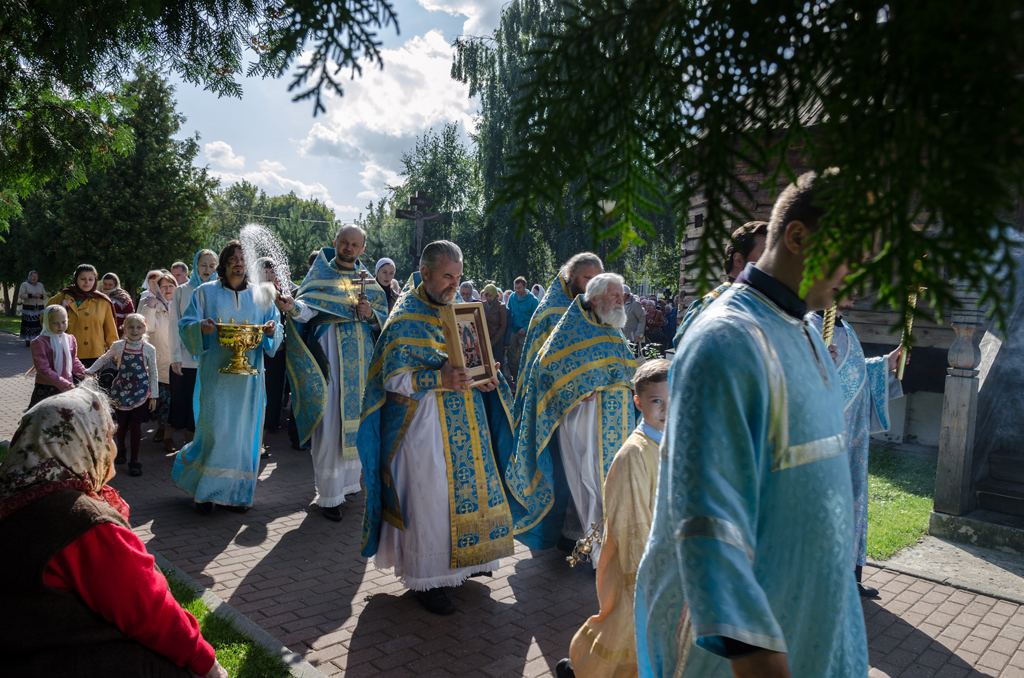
point(918, 104)
point(301, 225)
point(142, 211)
point(443, 167)
point(497, 68)
point(387, 236)
point(62, 64)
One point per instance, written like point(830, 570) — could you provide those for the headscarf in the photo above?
point(380, 263)
point(76, 293)
point(491, 289)
point(117, 294)
point(28, 278)
point(64, 442)
point(146, 291)
point(59, 343)
point(194, 279)
point(538, 291)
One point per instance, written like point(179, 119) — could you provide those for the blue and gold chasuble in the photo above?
point(753, 517)
point(221, 464)
point(475, 430)
point(333, 293)
point(581, 356)
point(552, 307)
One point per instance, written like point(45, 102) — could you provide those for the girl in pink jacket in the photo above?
point(55, 355)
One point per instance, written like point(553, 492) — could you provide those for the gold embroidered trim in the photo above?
point(710, 527)
point(815, 450)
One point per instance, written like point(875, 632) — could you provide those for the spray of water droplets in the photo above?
point(258, 242)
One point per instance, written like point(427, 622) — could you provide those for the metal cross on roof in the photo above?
point(419, 203)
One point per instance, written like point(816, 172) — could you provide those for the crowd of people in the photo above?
point(722, 503)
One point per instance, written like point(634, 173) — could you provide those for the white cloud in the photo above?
point(482, 16)
point(375, 177)
point(382, 112)
point(275, 184)
point(272, 166)
point(221, 153)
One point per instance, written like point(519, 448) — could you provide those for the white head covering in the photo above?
point(380, 263)
point(59, 343)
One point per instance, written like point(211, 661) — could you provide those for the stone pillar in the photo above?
point(954, 475)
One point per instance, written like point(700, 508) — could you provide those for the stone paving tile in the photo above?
point(301, 578)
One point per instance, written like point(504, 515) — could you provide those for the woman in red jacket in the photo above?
point(82, 597)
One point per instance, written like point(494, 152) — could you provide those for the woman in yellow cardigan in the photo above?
point(90, 315)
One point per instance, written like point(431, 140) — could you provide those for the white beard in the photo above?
point(615, 317)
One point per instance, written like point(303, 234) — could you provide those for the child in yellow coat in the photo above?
point(605, 646)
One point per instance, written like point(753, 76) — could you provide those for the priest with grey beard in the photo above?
point(578, 410)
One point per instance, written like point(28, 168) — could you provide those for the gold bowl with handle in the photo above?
point(239, 339)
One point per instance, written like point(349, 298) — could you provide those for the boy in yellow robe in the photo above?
point(605, 646)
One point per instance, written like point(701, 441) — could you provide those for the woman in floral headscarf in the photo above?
point(71, 535)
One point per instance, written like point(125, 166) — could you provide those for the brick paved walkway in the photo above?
point(300, 577)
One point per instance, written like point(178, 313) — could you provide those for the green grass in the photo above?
point(238, 654)
point(901, 489)
point(10, 324)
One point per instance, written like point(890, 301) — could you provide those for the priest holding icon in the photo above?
point(436, 511)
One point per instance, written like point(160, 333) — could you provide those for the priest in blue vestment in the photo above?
point(569, 283)
point(436, 511)
point(747, 569)
point(577, 411)
point(221, 464)
point(868, 386)
point(330, 330)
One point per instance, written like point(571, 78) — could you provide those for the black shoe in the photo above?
point(434, 600)
point(333, 513)
point(134, 469)
point(120, 459)
point(237, 509)
point(866, 591)
point(205, 508)
point(565, 544)
point(563, 669)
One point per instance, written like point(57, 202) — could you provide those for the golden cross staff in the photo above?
point(828, 326)
point(361, 280)
point(907, 329)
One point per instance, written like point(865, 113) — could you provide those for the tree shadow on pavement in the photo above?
point(900, 650)
point(191, 541)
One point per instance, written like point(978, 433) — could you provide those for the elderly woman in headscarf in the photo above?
point(149, 288)
point(123, 306)
point(33, 297)
point(183, 365)
point(160, 333)
point(83, 593)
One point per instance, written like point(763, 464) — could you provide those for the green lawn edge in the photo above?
point(901, 491)
point(10, 324)
point(240, 655)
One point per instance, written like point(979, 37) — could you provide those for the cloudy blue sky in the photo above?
point(349, 155)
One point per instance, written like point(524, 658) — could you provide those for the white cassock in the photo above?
point(579, 439)
point(421, 556)
point(334, 476)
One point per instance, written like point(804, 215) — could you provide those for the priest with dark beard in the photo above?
point(577, 413)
